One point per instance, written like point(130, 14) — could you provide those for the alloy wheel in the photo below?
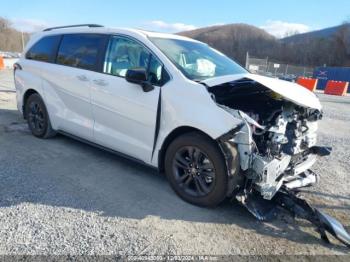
point(194, 171)
point(36, 117)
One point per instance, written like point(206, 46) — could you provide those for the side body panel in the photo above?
point(28, 78)
point(125, 116)
point(126, 121)
point(68, 99)
point(188, 104)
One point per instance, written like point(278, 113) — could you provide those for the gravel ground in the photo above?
point(6, 80)
point(60, 196)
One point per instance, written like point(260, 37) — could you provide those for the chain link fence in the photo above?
point(263, 66)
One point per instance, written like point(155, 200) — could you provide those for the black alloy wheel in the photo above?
point(37, 117)
point(194, 171)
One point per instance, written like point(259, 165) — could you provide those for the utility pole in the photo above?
point(247, 61)
point(22, 41)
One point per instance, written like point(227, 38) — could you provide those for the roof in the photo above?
point(136, 33)
point(101, 29)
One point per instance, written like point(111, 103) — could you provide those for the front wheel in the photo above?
point(196, 170)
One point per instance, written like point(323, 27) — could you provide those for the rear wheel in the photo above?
point(196, 170)
point(38, 118)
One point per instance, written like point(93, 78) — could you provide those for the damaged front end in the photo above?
point(277, 138)
point(276, 144)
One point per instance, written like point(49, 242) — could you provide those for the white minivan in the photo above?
point(173, 103)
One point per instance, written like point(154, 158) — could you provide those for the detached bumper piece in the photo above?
point(321, 150)
point(287, 199)
point(323, 222)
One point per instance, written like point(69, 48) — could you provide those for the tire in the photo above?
point(192, 157)
point(38, 118)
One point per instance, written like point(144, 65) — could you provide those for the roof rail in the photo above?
point(69, 26)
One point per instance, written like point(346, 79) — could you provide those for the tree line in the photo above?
point(10, 38)
point(310, 50)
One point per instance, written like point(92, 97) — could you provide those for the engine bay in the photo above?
point(280, 134)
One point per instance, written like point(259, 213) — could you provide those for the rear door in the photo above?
point(67, 84)
point(125, 115)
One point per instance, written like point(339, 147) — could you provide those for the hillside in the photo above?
point(235, 40)
point(323, 33)
point(329, 46)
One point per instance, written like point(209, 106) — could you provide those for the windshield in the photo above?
point(197, 61)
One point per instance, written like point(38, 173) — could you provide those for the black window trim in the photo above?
point(143, 45)
point(101, 55)
point(54, 52)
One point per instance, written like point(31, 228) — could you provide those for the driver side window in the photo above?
point(124, 53)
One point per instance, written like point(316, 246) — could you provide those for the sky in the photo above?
point(277, 17)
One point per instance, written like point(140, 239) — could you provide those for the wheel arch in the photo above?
point(177, 132)
point(26, 95)
point(229, 151)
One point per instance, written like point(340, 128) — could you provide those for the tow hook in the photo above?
point(287, 199)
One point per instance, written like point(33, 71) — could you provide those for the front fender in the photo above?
point(190, 105)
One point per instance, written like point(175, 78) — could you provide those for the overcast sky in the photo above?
point(276, 17)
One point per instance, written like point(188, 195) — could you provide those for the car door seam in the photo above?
point(157, 126)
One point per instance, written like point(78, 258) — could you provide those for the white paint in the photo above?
point(290, 91)
point(119, 115)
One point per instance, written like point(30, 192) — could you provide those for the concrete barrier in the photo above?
point(338, 88)
point(2, 64)
point(309, 83)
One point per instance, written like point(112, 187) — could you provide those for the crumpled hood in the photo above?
point(290, 91)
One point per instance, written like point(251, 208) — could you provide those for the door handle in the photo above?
point(82, 78)
point(100, 82)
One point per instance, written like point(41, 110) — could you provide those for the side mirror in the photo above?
point(139, 76)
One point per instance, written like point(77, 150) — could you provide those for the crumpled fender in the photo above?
point(190, 105)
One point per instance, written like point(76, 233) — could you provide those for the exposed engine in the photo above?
point(281, 133)
point(289, 130)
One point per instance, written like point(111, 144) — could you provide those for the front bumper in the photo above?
point(272, 174)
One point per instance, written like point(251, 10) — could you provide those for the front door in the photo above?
point(125, 116)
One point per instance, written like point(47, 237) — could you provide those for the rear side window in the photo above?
point(45, 49)
point(80, 50)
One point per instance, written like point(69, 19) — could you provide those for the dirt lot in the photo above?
point(6, 80)
point(60, 196)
